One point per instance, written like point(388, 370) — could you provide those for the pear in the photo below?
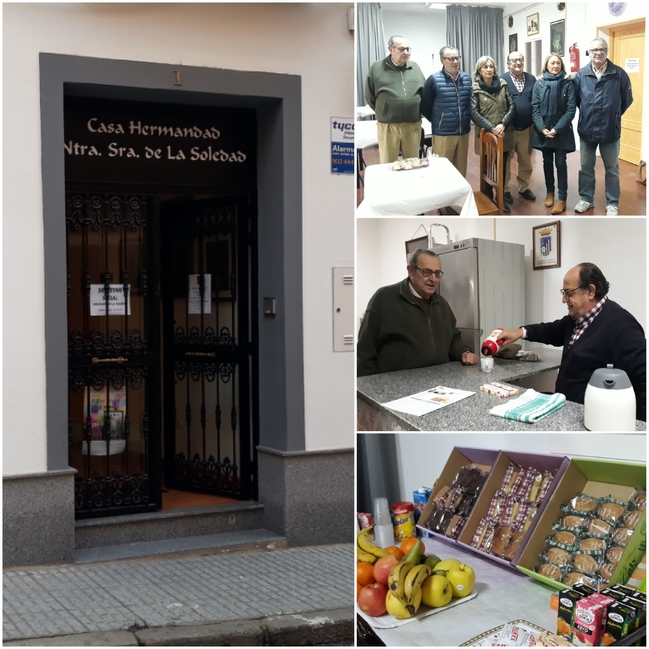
point(432, 561)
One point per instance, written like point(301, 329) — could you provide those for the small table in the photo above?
point(416, 191)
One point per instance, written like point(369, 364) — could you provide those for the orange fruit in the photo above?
point(359, 587)
point(364, 573)
point(395, 551)
point(406, 546)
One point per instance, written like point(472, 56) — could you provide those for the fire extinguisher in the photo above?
point(574, 58)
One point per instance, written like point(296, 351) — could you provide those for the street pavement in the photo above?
point(292, 596)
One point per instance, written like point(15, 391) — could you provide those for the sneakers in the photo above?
point(528, 195)
point(611, 210)
point(508, 198)
point(582, 206)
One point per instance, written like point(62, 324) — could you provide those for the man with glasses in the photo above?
point(603, 94)
point(393, 91)
point(446, 103)
point(520, 86)
point(596, 331)
point(409, 325)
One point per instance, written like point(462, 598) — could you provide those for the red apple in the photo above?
point(382, 568)
point(371, 599)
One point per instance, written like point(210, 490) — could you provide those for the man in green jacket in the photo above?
point(393, 91)
point(409, 325)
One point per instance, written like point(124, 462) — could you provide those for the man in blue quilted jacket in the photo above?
point(446, 103)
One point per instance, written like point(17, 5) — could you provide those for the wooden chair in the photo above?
point(491, 174)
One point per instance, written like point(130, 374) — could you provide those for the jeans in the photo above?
point(609, 152)
point(558, 157)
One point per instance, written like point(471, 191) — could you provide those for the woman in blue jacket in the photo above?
point(553, 108)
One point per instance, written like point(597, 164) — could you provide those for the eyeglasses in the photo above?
point(487, 67)
point(599, 50)
point(402, 49)
point(515, 60)
point(427, 272)
point(452, 59)
point(567, 292)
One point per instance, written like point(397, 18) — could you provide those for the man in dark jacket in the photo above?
point(596, 331)
point(409, 325)
point(446, 103)
point(520, 85)
point(393, 90)
point(603, 94)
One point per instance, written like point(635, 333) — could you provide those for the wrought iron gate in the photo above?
point(208, 334)
point(113, 353)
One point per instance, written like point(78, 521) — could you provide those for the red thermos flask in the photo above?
point(492, 344)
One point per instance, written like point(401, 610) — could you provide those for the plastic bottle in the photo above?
point(492, 344)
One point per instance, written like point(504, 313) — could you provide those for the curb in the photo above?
point(332, 627)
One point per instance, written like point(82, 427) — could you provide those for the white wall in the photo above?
point(425, 31)
point(311, 40)
point(617, 246)
point(422, 456)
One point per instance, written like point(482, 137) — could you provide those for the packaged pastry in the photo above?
point(622, 536)
point(549, 570)
point(592, 545)
point(611, 511)
point(557, 555)
point(453, 498)
point(573, 522)
point(583, 503)
point(535, 489)
point(488, 538)
point(455, 526)
point(639, 498)
point(607, 571)
point(502, 535)
point(573, 578)
point(479, 533)
point(513, 544)
point(614, 554)
point(523, 486)
point(465, 507)
point(631, 518)
point(439, 497)
point(564, 539)
point(511, 472)
point(546, 483)
point(496, 506)
point(509, 512)
point(599, 527)
point(585, 563)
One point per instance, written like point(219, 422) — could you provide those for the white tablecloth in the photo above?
point(416, 191)
point(363, 111)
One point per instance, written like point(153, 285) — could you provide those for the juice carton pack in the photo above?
point(420, 498)
point(620, 620)
point(588, 622)
point(568, 598)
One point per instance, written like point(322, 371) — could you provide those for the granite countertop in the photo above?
point(471, 413)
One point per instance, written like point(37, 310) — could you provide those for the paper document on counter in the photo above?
point(424, 402)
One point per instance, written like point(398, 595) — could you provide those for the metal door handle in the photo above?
point(119, 359)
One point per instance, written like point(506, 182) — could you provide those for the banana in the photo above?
point(365, 543)
point(397, 578)
point(361, 555)
point(414, 579)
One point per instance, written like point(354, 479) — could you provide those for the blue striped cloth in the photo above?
point(530, 406)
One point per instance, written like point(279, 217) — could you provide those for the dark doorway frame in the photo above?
point(277, 100)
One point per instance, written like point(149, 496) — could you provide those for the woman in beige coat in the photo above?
point(492, 107)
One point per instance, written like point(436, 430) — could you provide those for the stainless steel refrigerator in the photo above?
point(484, 282)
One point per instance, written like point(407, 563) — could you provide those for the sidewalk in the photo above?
point(285, 597)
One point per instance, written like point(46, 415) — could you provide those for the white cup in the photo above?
point(487, 364)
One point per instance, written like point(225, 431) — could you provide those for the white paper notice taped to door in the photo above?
point(116, 302)
point(632, 65)
point(194, 295)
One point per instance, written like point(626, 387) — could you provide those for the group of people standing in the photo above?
point(527, 112)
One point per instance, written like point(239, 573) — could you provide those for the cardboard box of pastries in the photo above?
point(517, 490)
point(597, 479)
point(456, 501)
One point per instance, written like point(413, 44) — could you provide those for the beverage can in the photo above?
point(492, 343)
point(404, 520)
point(365, 519)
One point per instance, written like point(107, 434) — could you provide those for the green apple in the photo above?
point(432, 561)
point(462, 579)
point(445, 565)
point(436, 591)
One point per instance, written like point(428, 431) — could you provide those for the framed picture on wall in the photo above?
point(413, 245)
point(546, 244)
point(513, 43)
point(558, 36)
point(533, 24)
